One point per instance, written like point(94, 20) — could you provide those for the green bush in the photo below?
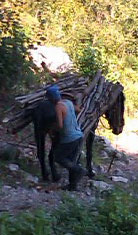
point(88, 60)
point(119, 214)
point(115, 214)
point(38, 223)
point(74, 217)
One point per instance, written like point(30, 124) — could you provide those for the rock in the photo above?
point(13, 167)
point(55, 58)
point(6, 187)
point(119, 179)
point(120, 164)
point(110, 150)
point(104, 154)
point(106, 141)
point(118, 172)
point(8, 151)
point(100, 169)
point(133, 178)
point(68, 233)
point(88, 193)
point(119, 155)
point(33, 179)
point(101, 185)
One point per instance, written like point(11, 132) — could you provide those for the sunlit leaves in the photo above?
point(109, 26)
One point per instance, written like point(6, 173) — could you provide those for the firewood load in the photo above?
point(18, 116)
point(94, 98)
point(98, 97)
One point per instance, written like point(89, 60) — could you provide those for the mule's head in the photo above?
point(115, 115)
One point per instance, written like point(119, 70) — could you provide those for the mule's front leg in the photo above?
point(55, 175)
point(41, 156)
point(89, 143)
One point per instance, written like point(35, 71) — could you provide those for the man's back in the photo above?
point(70, 130)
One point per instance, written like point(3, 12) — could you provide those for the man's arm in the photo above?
point(60, 111)
point(77, 108)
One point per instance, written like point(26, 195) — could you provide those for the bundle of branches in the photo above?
point(19, 114)
point(99, 96)
point(94, 99)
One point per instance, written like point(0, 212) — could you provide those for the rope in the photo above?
point(108, 128)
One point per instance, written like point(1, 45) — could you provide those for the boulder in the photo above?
point(8, 151)
point(55, 58)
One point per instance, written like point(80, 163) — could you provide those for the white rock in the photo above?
point(13, 167)
point(119, 179)
point(55, 58)
point(33, 179)
point(6, 187)
point(88, 193)
point(102, 186)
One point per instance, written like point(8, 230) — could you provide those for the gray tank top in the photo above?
point(71, 130)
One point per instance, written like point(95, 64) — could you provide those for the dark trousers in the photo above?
point(66, 154)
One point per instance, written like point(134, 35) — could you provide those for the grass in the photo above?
point(116, 214)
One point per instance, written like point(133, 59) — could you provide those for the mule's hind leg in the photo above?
point(55, 175)
point(40, 141)
point(89, 155)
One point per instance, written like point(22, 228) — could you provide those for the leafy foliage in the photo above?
point(96, 34)
point(27, 223)
point(89, 60)
point(117, 214)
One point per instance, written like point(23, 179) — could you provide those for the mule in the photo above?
point(115, 118)
point(44, 118)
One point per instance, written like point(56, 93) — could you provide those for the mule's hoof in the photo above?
point(91, 174)
point(46, 178)
point(56, 177)
point(69, 187)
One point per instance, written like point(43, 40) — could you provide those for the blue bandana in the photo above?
point(53, 92)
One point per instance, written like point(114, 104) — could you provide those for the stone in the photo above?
point(8, 151)
point(6, 187)
point(55, 58)
point(110, 149)
point(118, 155)
point(101, 185)
point(106, 141)
point(118, 172)
point(13, 167)
point(104, 154)
point(88, 193)
point(100, 169)
point(119, 179)
point(33, 179)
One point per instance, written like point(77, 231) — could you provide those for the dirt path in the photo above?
point(18, 194)
point(128, 140)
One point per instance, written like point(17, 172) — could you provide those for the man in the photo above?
point(70, 137)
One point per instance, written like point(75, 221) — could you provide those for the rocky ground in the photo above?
point(20, 185)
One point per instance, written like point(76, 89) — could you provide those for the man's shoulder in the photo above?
point(60, 105)
point(66, 101)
